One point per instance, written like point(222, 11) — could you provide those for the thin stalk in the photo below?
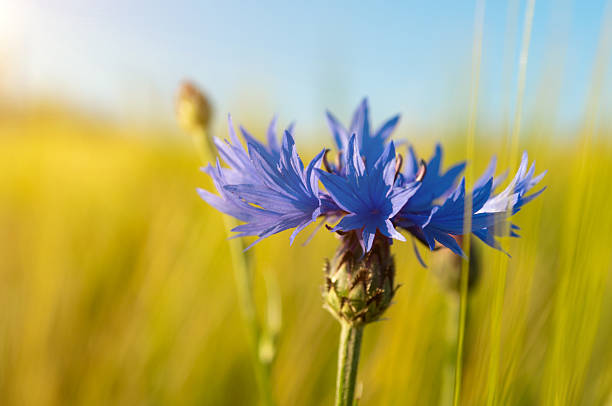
point(467, 222)
point(522, 76)
point(348, 360)
point(496, 323)
point(500, 289)
point(446, 395)
point(463, 296)
point(243, 275)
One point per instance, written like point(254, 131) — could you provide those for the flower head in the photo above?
point(434, 184)
point(193, 109)
point(269, 192)
point(371, 143)
point(369, 196)
point(268, 188)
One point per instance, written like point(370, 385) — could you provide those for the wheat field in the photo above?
point(116, 287)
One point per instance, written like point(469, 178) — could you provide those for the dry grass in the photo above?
point(115, 285)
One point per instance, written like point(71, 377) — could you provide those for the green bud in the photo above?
point(193, 109)
point(359, 288)
point(446, 266)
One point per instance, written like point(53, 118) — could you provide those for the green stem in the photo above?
point(244, 283)
point(243, 274)
point(463, 301)
point(452, 323)
point(348, 360)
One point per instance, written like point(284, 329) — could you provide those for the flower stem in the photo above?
point(463, 302)
point(243, 274)
point(452, 324)
point(348, 360)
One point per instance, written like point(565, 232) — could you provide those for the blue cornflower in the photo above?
point(434, 183)
point(369, 196)
point(489, 212)
point(269, 190)
point(370, 199)
point(371, 143)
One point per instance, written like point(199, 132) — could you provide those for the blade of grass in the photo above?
point(500, 287)
point(467, 226)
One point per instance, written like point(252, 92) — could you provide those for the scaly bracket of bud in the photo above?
point(359, 288)
point(193, 109)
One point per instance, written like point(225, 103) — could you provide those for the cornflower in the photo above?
point(368, 196)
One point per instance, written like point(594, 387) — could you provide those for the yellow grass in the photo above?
point(116, 288)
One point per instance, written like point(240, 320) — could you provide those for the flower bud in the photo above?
point(359, 288)
point(193, 109)
point(446, 267)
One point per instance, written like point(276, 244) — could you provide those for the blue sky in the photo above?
point(124, 58)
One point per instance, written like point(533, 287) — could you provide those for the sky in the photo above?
point(126, 58)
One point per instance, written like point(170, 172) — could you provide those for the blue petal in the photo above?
point(267, 188)
point(338, 131)
point(385, 130)
point(418, 254)
point(391, 232)
point(272, 140)
point(487, 174)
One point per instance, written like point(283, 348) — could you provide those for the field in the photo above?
point(116, 285)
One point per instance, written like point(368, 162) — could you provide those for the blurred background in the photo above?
point(116, 285)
